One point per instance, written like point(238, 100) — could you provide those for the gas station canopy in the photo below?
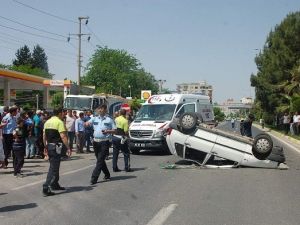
point(13, 80)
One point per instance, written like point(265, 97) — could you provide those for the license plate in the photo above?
point(142, 145)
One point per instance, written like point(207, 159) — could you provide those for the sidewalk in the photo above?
point(292, 142)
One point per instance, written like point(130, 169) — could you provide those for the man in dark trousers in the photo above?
point(246, 126)
point(9, 124)
point(104, 127)
point(120, 142)
point(54, 136)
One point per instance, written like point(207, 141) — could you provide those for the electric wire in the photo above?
point(25, 32)
point(58, 51)
point(44, 12)
point(34, 28)
point(98, 39)
point(58, 17)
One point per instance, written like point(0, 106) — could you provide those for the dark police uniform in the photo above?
point(120, 144)
point(101, 143)
point(52, 129)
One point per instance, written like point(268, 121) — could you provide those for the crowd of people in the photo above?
point(23, 136)
point(289, 122)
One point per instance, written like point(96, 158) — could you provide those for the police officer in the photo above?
point(120, 142)
point(104, 127)
point(54, 136)
point(9, 124)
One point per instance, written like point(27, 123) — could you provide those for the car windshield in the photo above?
point(156, 112)
point(77, 103)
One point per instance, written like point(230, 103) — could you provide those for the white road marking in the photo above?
point(162, 215)
point(41, 181)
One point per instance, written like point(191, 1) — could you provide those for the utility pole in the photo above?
point(37, 101)
point(161, 82)
point(79, 45)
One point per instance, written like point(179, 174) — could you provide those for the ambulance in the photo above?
point(149, 128)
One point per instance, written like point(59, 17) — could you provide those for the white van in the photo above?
point(148, 130)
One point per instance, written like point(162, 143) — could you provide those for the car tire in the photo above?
point(135, 151)
point(262, 146)
point(188, 122)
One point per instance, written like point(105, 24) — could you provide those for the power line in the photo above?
point(44, 12)
point(58, 53)
point(52, 56)
point(38, 29)
point(25, 32)
point(58, 17)
point(12, 38)
point(95, 35)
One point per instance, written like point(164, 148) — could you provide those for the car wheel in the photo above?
point(262, 146)
point(135, 151)
point(188, 122)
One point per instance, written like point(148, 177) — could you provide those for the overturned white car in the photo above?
point(212, 147)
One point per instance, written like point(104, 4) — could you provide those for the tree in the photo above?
point(39, 58)
point(219, 115)
point(113, 70)
point(57, 100)
point(35, 63)
point(276, 81)
point(23, 56)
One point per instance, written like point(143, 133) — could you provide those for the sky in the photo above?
point(180, 41)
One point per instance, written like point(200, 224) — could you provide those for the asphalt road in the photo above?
point(152, 195)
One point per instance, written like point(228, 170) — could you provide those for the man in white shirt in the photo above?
point(70, 125)
point(296, 122)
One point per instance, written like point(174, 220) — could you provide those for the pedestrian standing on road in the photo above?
point(79, 131)
point(295, 122)
point(232, 123)
point(104, 127)
point(247, 126)
point(19, 147)
point(262, 123)
point(2, 164)
point(70, 125)
point(120, 142)
point(30, 139)
point(54, 136)
point(38, 132)
point(9, 124)
point(298, 123)
point(88, 131)
point(286, 122)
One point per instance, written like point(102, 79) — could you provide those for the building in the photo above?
point(195, 88)
point(232, 107)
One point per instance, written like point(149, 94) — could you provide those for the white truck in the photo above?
point(91, 102)
point(149, 128)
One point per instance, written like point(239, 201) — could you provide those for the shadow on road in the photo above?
point(75, 189)
point(152, 153)
point(34, 174)
point(3, 193)
point(138, 169)
point(116, 178)
point(17, 207)
point(32, 166)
